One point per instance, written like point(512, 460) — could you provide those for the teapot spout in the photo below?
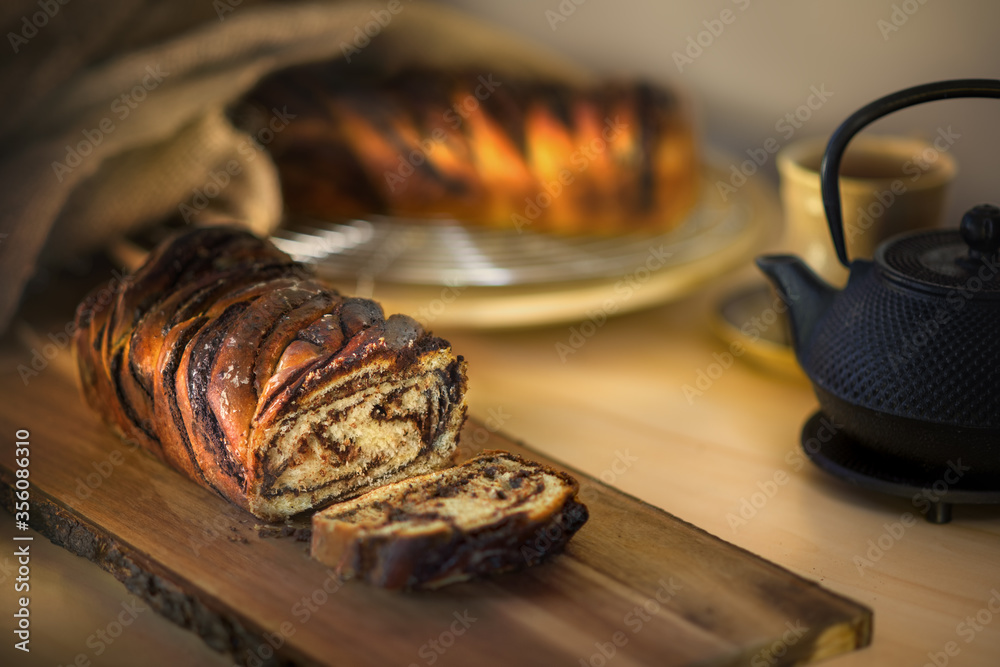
point(807, 295)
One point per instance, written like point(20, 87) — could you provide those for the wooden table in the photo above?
point(726, 460)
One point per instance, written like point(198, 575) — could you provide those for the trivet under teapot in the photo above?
point(932, 490)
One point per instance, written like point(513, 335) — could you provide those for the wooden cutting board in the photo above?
point(635, 585)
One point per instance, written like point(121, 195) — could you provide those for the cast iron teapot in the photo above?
point(906, 358)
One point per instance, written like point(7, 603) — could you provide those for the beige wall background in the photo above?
point(762, 64)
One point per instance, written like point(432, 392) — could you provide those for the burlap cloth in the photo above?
point(113, 116)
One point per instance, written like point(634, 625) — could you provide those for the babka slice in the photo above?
point(494, 513)
point(224, 358)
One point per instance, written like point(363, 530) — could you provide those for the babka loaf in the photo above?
point(484, 149)
point(228, 361)
point(494, 513)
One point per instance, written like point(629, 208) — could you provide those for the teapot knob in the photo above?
point(980, 230)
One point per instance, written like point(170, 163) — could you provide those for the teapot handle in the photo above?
point(830, 167)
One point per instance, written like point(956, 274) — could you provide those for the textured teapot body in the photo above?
point(906, 372)
point(895, 350)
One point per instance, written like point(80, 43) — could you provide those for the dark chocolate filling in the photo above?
point(127, 408)
point(206, 348)
point(271, 472)
point(168, 376)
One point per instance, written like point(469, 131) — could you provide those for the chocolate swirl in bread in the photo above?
point(225, 359)
point(494, 513)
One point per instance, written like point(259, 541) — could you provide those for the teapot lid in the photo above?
point(962, 260)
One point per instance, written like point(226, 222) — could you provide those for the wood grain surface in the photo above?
point(635, 584)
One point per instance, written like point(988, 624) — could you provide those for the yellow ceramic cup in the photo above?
point(888, 185)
